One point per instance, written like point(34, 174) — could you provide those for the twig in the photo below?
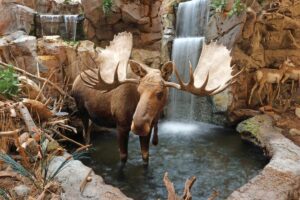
point(170, 188)
point(42, 88)
point(32, 128)
point(187, 188)
point(214, 195)
point(83, 148)
point(36, 77)
point(85, 181)
point(65, 137)
point(9, 133)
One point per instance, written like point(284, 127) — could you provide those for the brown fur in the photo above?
point(128, 107)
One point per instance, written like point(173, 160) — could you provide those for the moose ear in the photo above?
point(167, 70)
point(137, 68)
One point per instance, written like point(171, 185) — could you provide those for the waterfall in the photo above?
point(71, 25)
point(50, 24)
point(64, 25)
point(192, 17)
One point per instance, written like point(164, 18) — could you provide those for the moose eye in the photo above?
point(159, 95)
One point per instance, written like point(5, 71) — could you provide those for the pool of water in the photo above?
point(216, 156)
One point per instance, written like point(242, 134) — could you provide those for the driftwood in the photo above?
point(171, 190)
point(32, 128)
point(9, 133)
point(85, 181)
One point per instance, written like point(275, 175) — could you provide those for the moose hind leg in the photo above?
point(123, 136)
point(144, 143)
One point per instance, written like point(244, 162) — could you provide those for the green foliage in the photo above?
point(8, 82)
point(4, 194)
point(67, 1)
point(107, 4)
point(237, 9)
point(72, 43)
point(218, 5)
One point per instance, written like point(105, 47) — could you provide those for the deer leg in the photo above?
point(261, 86)
point(144, 143)
point(123, 136)
point(251, 94)
point(278, 92)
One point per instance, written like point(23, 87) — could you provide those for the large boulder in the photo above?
point(15, 17)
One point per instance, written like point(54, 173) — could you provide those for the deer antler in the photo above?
point(100, 84)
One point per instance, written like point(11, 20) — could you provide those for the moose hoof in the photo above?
point(145, 159)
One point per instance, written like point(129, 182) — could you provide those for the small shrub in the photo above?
point(218, 5)
point(107, 4)
point(8, 82)
point(237, 9)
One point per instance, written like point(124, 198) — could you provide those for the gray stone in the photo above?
point(72, 176)
point(21, 191)
point(280, 178)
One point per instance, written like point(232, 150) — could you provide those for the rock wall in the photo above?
point(137, 16)
point(261, 37)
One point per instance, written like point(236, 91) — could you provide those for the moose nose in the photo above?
point(140, 130)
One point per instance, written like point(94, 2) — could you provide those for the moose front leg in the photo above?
point(123, 136)
point(144, 143)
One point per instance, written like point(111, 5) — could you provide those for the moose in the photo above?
point(130, 95)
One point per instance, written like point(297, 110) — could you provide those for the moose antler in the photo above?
point(213, 68)
point(100, 84)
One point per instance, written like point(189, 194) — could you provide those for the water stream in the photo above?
point(216, 156)
point(63, 25)
point(192, 17)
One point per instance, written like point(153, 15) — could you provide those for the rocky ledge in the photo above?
point(280, 178)
point(72, 179)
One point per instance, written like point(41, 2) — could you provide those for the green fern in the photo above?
point(8, 82)
point(218, 5)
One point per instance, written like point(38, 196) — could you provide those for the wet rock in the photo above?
point(20, 192)
point(280, 178)
point(96, 189)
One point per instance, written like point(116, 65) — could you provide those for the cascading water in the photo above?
point(71, 25)
point(192, 17)
point(64, 25)
point(50, 24)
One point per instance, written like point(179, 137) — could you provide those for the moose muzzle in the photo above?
point(141, 129)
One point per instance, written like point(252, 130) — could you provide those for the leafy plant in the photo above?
point(67, 1)
point(4, 194)
point(237, 9)
point(218, 5)
point(8, 82)
point(107, 5)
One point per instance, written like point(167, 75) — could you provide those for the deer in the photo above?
point(130, 96)
point(292, 73)
point(269, 76)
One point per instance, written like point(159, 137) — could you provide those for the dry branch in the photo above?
point(85, 181)
point(9, 133)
